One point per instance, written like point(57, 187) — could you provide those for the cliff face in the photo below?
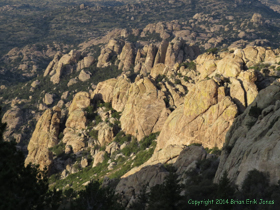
point(253, 140)
point(44, 137)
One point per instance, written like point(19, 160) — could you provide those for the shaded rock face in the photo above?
point(44, 137)
point(13, 118)
point(253, 140)
point(131, 185)
point(150, 175)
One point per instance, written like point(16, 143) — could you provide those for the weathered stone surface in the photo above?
point(44, 137)
point(151, 54)
point(207, 68)
point(80, 101)
point(237, 94)
point(85, 62)
point(13, 117)
point(174, 53)
point(99, 158)
point(204, 118)
point(229, 66)
point(161, 53)
point(145, 110)
point(104, 90)
point(48, 99)
point(84, 76)
point(71, 138)
point(72, 82)
point(252, 142)
point(111, 148)
point(127, 57)
point(105, 133)
point(84, 163)
point(158, 69)
point(120, 93)
point(35, 83)
point(76, 120)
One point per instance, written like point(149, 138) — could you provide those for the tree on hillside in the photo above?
point(166, 196)
point(22, 187)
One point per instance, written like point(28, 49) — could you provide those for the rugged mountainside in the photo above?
point(130, 101)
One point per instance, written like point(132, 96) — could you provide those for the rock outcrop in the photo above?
point(252, 142)
point(145, 111)
point(76, 121)
point(44, 137)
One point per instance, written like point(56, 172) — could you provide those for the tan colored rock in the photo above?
point(72, 82)
point(35, 83)
point(44, 137)
point(174, 53)
point(120, 93)
point(111, 148)
point(105, 134)
point(149, 62)
point(237, 94)
point(99, 158)
point(72, 139)
point(80, 101)
point(48, 99)
point(84, 76)
point(161, 53)
point(104, 90)
point(257, 19)
point(127, 57)
point(76, 120)
point(84, 163)
point(85, 62)
point(158, 69)
point(207, 68)
point(145, 110)
point(248, 79)
point(202, 119)
point(229, 66)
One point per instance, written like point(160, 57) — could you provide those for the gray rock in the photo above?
point(253, 140)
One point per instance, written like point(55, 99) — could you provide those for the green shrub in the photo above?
point(132, 147)
point(94, 134)
point(60, 136)
point(212, 50)
point(189, 65)
point(177, 81)
point(147, 141)
point(187, 78)
point(98, 119)
point(116, 115)
point(58, 149)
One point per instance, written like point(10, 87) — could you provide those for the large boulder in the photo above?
point(145, 110)
point(252, 142)
point(44, 137)
point(80, 101)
